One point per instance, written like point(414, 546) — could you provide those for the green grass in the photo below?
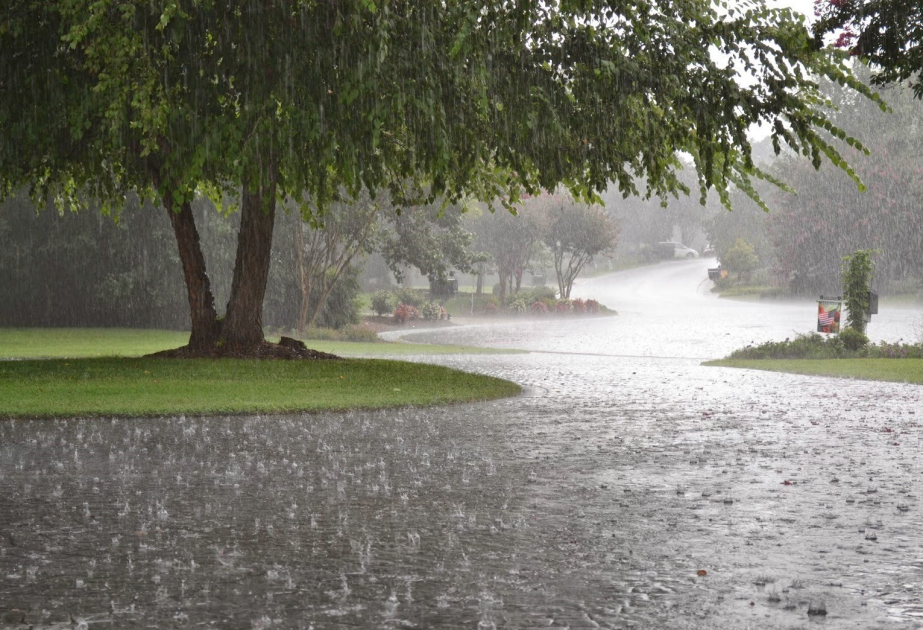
point(897, 370)
point(36, 343)
point(65, 372)
point(50, 343)
point(154, 387)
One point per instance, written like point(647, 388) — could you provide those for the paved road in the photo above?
point(629, 487)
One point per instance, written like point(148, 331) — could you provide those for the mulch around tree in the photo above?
point(287, 349)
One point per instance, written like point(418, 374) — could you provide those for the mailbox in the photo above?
point(873, 306)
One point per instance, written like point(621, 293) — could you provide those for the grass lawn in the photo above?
point(898, 370)
point(144, 387)
point(99, 372)
point(72, 343)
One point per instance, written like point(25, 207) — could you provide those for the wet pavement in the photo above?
point(629, 487)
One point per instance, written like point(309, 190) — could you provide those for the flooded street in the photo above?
point(629, 487)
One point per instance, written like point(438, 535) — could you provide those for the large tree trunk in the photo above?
point(242, 331)
point(204, 318)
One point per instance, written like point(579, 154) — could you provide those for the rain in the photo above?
point(629, 485)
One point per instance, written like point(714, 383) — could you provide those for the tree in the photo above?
point(889, 33)
point(300, 97)
point(740, 259)
point(329, 250)
point(430, 237)
point(827, 218)
point(510, 240)
point(576, 232)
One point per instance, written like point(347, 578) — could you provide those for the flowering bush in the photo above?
point(592, 306)
point(578, 305)
point(432, 312)
point(490, 308)
point(538, 308)
point(518, 307)
point(562, 307)
point(405, 313)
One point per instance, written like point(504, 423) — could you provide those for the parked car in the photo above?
point(671, 249)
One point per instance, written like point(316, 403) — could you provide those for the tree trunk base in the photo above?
point(287, 348)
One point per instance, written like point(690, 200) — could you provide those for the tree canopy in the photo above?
point(310, 97)
point(889, 33)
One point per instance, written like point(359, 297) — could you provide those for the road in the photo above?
point(629, 487)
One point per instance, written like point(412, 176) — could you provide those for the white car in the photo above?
point(678, 250)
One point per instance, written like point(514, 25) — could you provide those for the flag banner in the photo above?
point(828, 316)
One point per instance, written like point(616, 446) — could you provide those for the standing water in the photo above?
point(629, 487)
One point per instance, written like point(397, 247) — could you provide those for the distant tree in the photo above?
point(430, 237)
point(889, 33)
point(511, 240)
point(575, 233)
point(740, 259)
point(325, 251)
point(283, 99)
point(827, 218)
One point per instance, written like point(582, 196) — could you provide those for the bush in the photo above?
point(848, 344)
point(578, 305)
point(852, 339)
point(341, 307)
point(491, 308)
point(412, 297)
point(538, 308)
point(740, 259)
point(898, 350)
point(518, 306)
point(533, 294)
point(360, 333)
point(592, 306)
point(405, 313)
point(432, 312)
point(384, 302)
point(347, 333)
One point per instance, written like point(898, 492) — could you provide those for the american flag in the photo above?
point(825, 319)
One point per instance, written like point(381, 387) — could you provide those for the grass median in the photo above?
point(896, 370)
point(97, 372)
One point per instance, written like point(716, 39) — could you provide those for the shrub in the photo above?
point(852, 339)
point(491, 308)
point(347, 333)
point(844, 345)
point(741, 259)
point(533, 294)
point(897, 350)
point(538, 308)
point(592, 306)
point(384, 302)
point(518, 306)
point(562, 307)
point(360, 333)
point(405, 313)
point(412, 297)
point(579, 306)
point(432, 312)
